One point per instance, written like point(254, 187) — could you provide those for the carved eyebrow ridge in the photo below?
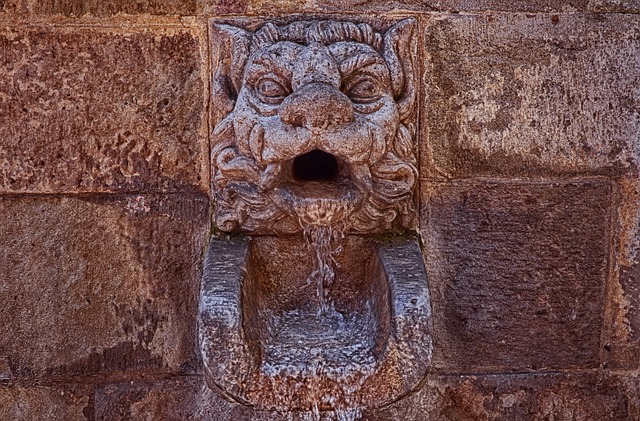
point(278, 57)
point(359, 61)
point(270, 64)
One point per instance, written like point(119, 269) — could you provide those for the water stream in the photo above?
point(337, 415)
point(324, 243)
point(324, 233)
point(321, 218)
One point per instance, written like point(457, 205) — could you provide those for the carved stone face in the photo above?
point(334, 98)
point(327, 86)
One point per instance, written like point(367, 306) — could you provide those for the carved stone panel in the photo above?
point(314, 138)
point(319, 127)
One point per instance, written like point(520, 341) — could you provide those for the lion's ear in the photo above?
point(399, 51)
point(230, 48)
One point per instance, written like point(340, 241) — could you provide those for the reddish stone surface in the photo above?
point(186, 398)
point(111, 7)
point(263, 7)
point(68, 403)
point(99, 109)
point(579, 397)
point(530, 94)
point(617, 6)
point(583, 396)
point(460, 5)
point(622, 339)
point(11, 6)
point(517, 273)
point(162, 400)
point(99, 284)
point(630, 280)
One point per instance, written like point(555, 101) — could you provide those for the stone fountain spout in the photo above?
point(319, 300)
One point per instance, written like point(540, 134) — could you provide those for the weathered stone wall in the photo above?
point(529, 141)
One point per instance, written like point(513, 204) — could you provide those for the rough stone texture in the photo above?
point(11, 6)
point(629, 252)
point(163, 400)
point(618, 6)
point(458, 5)
point(520, 95)
point(186, 398)
point(111, 7)
point(179, 399)
point(517, 273)
point(66, 403)
point(580, 397)
point(339, 89)
point(622, 347)
point(629, 277)
point(97, 284)
point(107, 8)
point(262, 7)
point(98, 109)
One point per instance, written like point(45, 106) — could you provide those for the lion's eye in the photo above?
point(271, 90)
point(363, 91)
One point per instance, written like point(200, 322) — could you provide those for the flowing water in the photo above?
point(321, 219)
point(337, 415)
point(324, 243)
point(333, 345)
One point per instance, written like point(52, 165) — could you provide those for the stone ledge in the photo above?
point(577, 396)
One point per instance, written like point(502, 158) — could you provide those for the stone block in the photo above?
point(622, 342)
point(100, 284)
point(531, 94)
point(262, 7)
point(95, 109)
point(615, 6)
point(621, 356)
point(582, 396)
point(630, 281)
point(517, 272)
point(19, 403)
point(579, 397)
point(102, 8)
point(457, 5)
point(628, 221)
point(162, 400)
point(185, 398)
point(253, 8)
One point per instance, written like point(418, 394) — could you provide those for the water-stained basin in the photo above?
point(270, 342)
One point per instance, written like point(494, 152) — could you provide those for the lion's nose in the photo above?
point(316, 106)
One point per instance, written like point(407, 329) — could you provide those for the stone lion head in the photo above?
point(317, 130)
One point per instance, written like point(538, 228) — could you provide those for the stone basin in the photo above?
point(265, 342)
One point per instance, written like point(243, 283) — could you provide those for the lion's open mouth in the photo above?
point(318, 188)
point(316, 165)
